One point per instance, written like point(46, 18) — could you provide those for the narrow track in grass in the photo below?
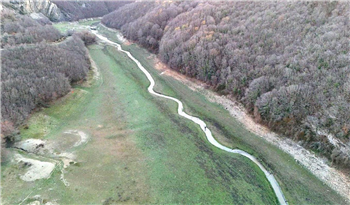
point(277, 189)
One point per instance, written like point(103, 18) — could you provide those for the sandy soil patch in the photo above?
point(51, 203)
point(94, 75)
point(40, 169)
point(316, 165)
point(35, 146)
point(167, 71)
point(36, 169)
point(121, 37)
point(83, 137)
point(39, 203)
point(95, 69)
point(67, 159)
point(34, 203)
point(37, 200)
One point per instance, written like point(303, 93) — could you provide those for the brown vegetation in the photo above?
point(75, 10)
point(25, 30)
point(87, 37)
point(288, 61)
point(36, 69)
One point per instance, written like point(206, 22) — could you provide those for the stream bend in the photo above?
point(201, 123)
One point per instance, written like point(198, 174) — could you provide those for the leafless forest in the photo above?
point(37, 67)
point(288, 63)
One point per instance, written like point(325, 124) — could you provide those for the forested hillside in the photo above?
point(75, 10)
point(36, 67)
point(288, 63)
point(24, 30)
point(147, 25)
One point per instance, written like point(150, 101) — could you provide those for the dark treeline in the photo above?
point(288, 63)
point(32, 75)
point(75, 10)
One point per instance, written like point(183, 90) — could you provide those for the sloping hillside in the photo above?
point(75, 10)
point(38, 66)
point(286, 62)
point(66, 10)
point(46, 7)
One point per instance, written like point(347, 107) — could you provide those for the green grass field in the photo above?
point(184, 168)
point(141, 151)
point(63, 27)
point(298, 184)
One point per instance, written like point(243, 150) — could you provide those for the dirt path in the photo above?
point(207, 132)
point(316, 165)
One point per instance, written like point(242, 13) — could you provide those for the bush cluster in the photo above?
point(86, 36)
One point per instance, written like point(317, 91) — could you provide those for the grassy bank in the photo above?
point(181, 166)
point(298, 184)
point(63, 27)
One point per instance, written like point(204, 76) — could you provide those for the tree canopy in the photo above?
point(287, 62)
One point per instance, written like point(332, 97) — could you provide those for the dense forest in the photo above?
point(36, 71)
point(75, 10)
point(24, 30)
point(287, 62)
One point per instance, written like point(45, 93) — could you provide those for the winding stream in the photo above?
point(201, 123)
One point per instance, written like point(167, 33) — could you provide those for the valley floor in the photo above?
point(124, 145)
point(336, 179)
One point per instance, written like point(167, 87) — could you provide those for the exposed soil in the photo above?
point(315, 164)
point(51, 150)
point(83, 137)
point(35, 169)
point(35, 146)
